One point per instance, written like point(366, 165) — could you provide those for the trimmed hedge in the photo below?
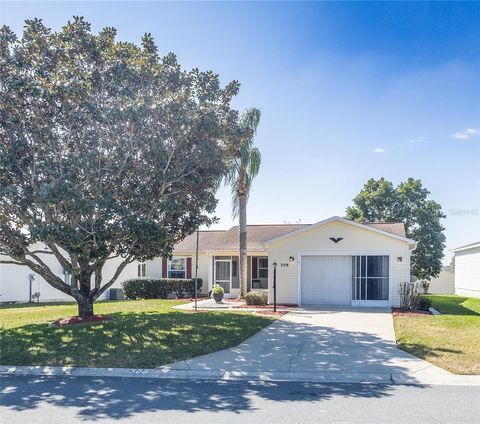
point(256, 298)
point(151, 288)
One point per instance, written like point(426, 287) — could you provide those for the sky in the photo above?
point(347, 91)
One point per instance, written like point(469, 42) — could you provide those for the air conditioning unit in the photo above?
point(116, 294)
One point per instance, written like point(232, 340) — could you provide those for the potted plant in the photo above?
point(217, 292)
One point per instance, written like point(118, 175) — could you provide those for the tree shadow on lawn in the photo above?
point(129, 340)
point(119, 398)
point(453, 305)
point(425, 352)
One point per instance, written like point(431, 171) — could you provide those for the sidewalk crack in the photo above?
point(296, 355)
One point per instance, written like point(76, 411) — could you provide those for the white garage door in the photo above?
point(326, 280)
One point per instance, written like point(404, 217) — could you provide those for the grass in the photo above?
point(450, 340)
point(142, 334)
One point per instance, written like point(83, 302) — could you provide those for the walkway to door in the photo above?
point(348, 344)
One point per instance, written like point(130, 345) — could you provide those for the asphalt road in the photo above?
point(136, 400)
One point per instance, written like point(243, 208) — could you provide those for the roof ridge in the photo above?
point(212, 231)
point(272, 225)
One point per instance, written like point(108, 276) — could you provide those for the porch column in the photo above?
point(210, 271)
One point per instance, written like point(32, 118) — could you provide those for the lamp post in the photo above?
point(274, 287)
point(195, 283)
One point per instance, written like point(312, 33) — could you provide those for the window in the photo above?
point(177, 268)
point(262, 267)
point(142, 269)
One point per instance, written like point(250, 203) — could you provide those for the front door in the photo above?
point(223, 273)
point(370, 280)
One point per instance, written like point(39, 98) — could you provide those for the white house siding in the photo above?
point(315, 241)
point(467, 272)
point(14, 280)
point(443, 284)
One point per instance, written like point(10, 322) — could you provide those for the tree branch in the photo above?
point(12, 263)
point(119, 270)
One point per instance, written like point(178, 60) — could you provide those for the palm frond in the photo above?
point(245, 167)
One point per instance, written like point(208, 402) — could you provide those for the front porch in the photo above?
point(224, 271)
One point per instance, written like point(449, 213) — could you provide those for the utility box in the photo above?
point(116, 294)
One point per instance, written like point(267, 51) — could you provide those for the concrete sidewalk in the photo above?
point(210, 305)
point(306, 345)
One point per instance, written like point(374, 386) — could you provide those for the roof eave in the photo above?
point(346, 221)
point(468, 247)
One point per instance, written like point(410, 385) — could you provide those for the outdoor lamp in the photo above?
point(275, 287)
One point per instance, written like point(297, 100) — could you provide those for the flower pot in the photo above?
point(218, 297)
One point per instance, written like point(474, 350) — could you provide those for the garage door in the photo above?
point(326, 280)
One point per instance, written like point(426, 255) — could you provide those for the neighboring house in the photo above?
point(467, 270)
point(444, 283)
point(18, 283)
point(335, 261)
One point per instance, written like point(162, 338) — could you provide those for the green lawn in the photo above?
point(144, 333)
point(450, 340)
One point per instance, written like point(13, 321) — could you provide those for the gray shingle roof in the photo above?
point(390, 227)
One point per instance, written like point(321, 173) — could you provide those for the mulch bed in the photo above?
point(406, 313)
point(77, 320)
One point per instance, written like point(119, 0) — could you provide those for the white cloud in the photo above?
point(415, 140)
point(467, 134)
point(378, 150)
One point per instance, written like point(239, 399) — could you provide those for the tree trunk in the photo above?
point(85, 306)
point(242, 214)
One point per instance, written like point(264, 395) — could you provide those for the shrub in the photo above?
point(217, 289)
point(150, 288)
point(425, 286)
point(424, 303)
point(409, 295)
point(256, 298)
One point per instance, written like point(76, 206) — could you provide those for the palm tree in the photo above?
point(242, 170)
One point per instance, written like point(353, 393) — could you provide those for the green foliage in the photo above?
point(217, 289)
point(380, 201)
point(142, 333)
point(424, 303)
point(149, 288)
point(245, 164)
point(106, 149)
point(256, 298)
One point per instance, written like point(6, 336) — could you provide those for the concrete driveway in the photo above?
point(329, 344)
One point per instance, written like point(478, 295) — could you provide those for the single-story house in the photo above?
point(335, 261)
point(467, 270)
point(444, 283)
point(19, 283)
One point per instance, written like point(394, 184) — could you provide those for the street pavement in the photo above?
point(41, 399)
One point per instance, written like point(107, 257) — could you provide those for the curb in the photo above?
point(225, 375)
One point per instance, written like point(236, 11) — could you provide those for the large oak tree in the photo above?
point(106, 150)
point(409, 203)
